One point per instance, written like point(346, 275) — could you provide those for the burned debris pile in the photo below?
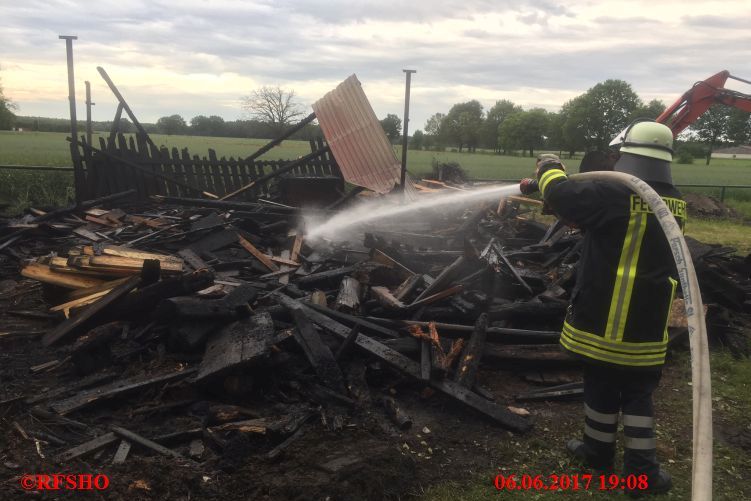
point(223, 319)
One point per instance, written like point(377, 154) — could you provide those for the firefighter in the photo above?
point(626, 279)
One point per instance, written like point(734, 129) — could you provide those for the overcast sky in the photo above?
point(199, 56)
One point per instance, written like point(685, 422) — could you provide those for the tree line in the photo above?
point(587, 122)
point(200, 125)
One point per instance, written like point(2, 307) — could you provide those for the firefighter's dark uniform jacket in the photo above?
point(626, 277)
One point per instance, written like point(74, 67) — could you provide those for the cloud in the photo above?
point(712, 21)
point(199, 56)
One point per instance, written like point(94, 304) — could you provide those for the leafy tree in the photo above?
point(739, 126)
point(7, 118)
point(417, 140)
point(570, 118)
point(525, 130)
point(555, 131)
point(496, 115)
point(126, 126)
point(173, 124)
point(509, 133)
point(274, 106)
point(202, 125)
point(651, 110)
point(463, 124)
point(535, 125)
point(433, 125)
point(712, 127)
point(392, 126)
point(434, 132)
point(596, 116)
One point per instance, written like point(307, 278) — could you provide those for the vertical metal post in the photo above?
point(722, 194)
point(88, 113)
point(405, 139)
point(74, 152)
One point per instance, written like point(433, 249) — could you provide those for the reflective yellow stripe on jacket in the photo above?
point(614, 352)
point(549, 176)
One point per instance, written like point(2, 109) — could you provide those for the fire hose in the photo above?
point(701, 473)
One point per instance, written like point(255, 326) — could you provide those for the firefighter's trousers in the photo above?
point(608, 391)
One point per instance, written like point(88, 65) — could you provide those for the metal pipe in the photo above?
point(405, 138)
point(88, 112)
point(74, 152)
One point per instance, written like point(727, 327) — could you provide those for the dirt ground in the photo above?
point(368, 459)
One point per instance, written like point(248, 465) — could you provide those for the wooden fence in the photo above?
point(121, 164)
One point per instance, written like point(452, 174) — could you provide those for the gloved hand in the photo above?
point(528, 186)
point(548, 160)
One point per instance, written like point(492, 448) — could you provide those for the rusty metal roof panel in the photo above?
point(356, 138)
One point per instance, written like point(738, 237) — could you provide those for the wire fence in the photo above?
point(723, 188)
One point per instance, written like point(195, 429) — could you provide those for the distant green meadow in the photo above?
point(52, 149)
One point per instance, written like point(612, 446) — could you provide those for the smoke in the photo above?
point(389, 210)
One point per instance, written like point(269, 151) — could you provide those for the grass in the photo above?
point(51, 148)
point(542, 453)
point(727, 233)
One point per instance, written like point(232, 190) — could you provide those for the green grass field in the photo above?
point(50, 148)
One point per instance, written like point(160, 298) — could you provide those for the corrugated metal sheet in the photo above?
point(357, 140)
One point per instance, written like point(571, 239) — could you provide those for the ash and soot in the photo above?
point(388, 209)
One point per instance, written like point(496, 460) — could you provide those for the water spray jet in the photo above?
point(388, 209)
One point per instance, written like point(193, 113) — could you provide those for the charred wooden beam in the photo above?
point(407, 287)
point(444, 279)
point(145, 442)
point(122, 452)
point(193, 260)
point(498, 413)
point(378, 256)
point(348, 343)
point(528, 310)
point(238, 345)
point(87, 447)
point(124, 106)
point(147, 298)
point(89, 314)
point(348, 299)
point(323, 276)
point(425, 360)
point(493, 333)
point(564, 391)
point(233, 306)
point(352, 320)
point(384, 296)
point(318, 354)
point(253, 250)
point(214, 241)
point(89, 397)
point(469, 361)
point(494, 352)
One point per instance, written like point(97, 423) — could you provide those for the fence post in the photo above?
point(722, 194)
